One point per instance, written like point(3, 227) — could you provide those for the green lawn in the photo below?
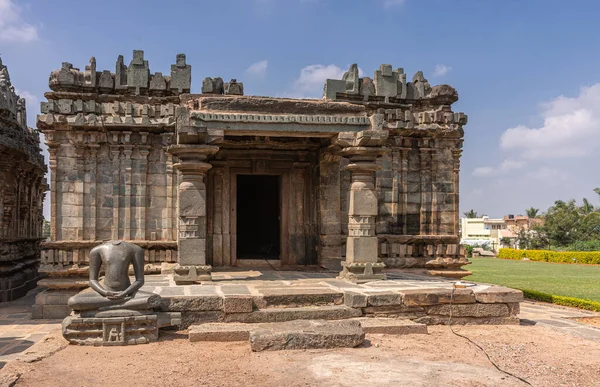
point(579, 281)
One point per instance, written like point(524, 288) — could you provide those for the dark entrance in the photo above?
point(258, 217)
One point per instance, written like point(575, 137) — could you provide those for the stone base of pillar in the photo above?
point(359, 272)
point(189, 274)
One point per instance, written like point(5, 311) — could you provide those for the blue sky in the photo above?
point(527, 72)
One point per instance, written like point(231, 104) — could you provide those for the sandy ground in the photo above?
point(538, 354)
point(595, 321)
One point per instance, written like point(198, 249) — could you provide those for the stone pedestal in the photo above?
point(117, 327)
point(362, 149)
point(191, 239)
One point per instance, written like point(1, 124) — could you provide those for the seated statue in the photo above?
point(116, 291)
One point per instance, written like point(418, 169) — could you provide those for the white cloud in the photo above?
point(509, 165)
point(12, 27)
point(571, 128)
point(504, 167)
point(548, 175)
point(258, 69)
point(441, 70)
point(311, 80)
point(30, 98)
point(387, 4)
point(483, 171)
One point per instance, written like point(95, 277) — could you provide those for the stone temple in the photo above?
point(364, 179)
point(22, 188)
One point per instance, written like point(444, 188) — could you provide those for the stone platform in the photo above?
point(268, 296)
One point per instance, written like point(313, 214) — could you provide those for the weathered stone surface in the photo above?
point(471, 310)
point(237, 304)
point(193, 318)
point(192, 303)
point(391, 326)
point(296, 297)
point(403, 311)
point(421, 297)
point(355, 300)
point(496, 294)
point(384, 299)
point(289, 314)
point(443, 320)
point(22, 191)
point(304, 334)
point(220, 332)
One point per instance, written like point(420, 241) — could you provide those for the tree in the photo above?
point(532, 212)
point(471, 214)
point(597, 190)
point(587, 207)
point(563, 224)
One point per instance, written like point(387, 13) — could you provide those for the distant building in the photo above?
point(482, 231)
point(496, 233)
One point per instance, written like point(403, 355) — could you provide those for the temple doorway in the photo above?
point(258, 217)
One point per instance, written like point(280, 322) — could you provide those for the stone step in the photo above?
point(391, 326)
point(295, 297)
point(298, 334)
point(241, 331)
point(330, 312)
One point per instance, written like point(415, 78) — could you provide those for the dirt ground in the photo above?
point(595, 321)
point(540, 355)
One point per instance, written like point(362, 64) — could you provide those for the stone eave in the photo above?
point(269, 105)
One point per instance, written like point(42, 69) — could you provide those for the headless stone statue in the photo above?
point(116, 291)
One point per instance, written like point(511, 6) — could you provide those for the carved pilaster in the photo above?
point(140, 232)
point(456, 153)
point(53, 152)
point(362, 150)
point(116, 177)
point(191, 239)
point(92, 190)
point(80, 186)
point(126, 165)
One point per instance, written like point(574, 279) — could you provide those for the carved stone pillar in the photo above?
point(53, 151)
point(362, 150)
point(191, 239)
point(93, 170)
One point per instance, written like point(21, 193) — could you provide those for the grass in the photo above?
point(572, 280)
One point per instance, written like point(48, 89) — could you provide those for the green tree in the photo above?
point(587, 207)
point(532, 212)
point(471, 214)
point(563, 224)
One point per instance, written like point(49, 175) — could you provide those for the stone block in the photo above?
point(471, 310)
point(363, 202)
point(384, 299)
point(403, 311)
point(498, 294)
point(307, 335)
point(53, 312)
point(194, 318)
point(391, 326)
point(54, 297)
point(423, 297)
point(362, 249)
point(192, 303)
point(288, 314)
point(237, 304)
point(298, 297)
point(219, 332)
point(355, 300)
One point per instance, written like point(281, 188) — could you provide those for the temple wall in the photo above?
point(123, 144)
point(22, 191)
